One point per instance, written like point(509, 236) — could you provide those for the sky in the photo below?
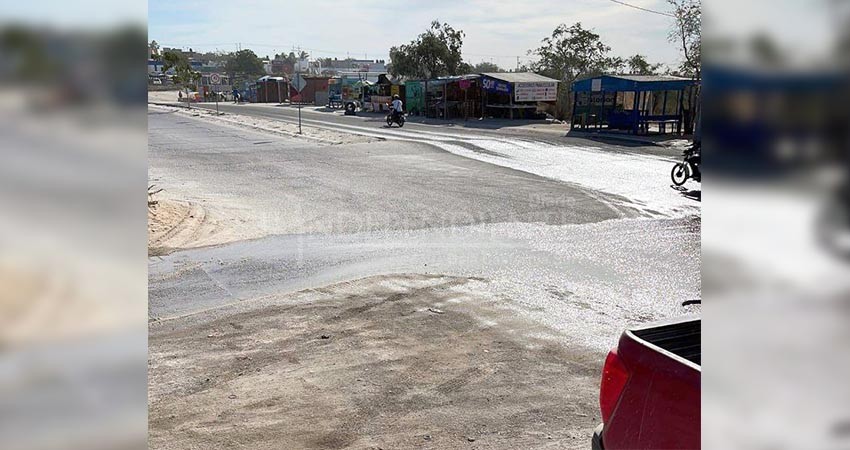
point(496, 31)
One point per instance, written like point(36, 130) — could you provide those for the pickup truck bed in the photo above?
point(650, 390)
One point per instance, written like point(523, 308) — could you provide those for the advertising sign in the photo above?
point(494, 85)
point(540, 91)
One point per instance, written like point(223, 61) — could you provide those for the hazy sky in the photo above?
point(495, 30)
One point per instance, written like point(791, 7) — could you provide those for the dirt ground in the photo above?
point(314, 134)
point(175, 224)
point(387, 362)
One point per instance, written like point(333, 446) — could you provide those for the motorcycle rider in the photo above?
point(398, 107)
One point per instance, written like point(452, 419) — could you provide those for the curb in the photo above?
point(254, 127)
point(586, 135)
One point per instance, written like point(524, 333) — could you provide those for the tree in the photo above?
point(569, 54)
point(184, 76)
point(765, 50)
point(244, 62)
point(685, 32)
point(572, 52)
point(435, 53)
point(486, 67)
point(638, 65)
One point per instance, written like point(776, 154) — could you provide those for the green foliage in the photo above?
point(26, 50)
point(573, 52)
point(486, 67)
point(638, 65)
point(435, 53)
point(244, 62)
point(685, 32)
point(183, 73)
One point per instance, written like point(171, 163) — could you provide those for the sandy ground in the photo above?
point(402, 361)
point(267, 125)
point(175, 224)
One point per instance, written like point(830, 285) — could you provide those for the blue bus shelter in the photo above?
point(637, 103)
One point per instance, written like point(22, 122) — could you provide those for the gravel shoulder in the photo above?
point(401, 361)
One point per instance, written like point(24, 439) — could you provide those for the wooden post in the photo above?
point(465, 105)
point(635, 113)
point(425, 99)
point(483, 100)
point(601, 111)
point(679, 113)
point(511, 109)
point(446, 101)
point(573, 115)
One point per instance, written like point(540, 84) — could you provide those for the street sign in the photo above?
point(215, 78)
point(299, 82)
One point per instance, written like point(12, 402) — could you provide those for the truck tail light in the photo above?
point(614, 378)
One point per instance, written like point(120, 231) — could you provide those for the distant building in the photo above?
point(350, 66)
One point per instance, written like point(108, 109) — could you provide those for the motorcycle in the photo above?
point(688, 168)
point(392, 117)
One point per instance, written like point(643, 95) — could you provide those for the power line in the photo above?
point(643, 9)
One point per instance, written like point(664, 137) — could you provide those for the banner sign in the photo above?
point(494, 85)
point(541, 91)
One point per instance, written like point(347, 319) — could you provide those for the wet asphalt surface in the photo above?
point(556, 252)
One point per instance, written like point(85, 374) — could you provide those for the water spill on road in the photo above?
point(586, 281)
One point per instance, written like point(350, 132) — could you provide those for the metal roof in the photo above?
point(518, 77)
point(649, 78)
point(633, 83)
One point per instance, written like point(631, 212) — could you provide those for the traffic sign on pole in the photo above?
point(299, 82)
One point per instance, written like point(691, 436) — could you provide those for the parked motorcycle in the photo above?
point(688, 168)
point(395, 118)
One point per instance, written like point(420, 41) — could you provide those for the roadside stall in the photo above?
point(271, 89)
point(315, 90)
point(453, 97)
point(638, 103)
point(516, 95)
point(371, 93)
point(414, 102)
point(389, 87)
point(334, 92)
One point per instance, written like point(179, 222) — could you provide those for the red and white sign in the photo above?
point(540, 91)
point(215, 78)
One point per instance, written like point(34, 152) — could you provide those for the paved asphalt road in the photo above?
point(553, 251)
point(376, 123)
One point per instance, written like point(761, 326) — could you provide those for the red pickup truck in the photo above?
point(650, 390)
